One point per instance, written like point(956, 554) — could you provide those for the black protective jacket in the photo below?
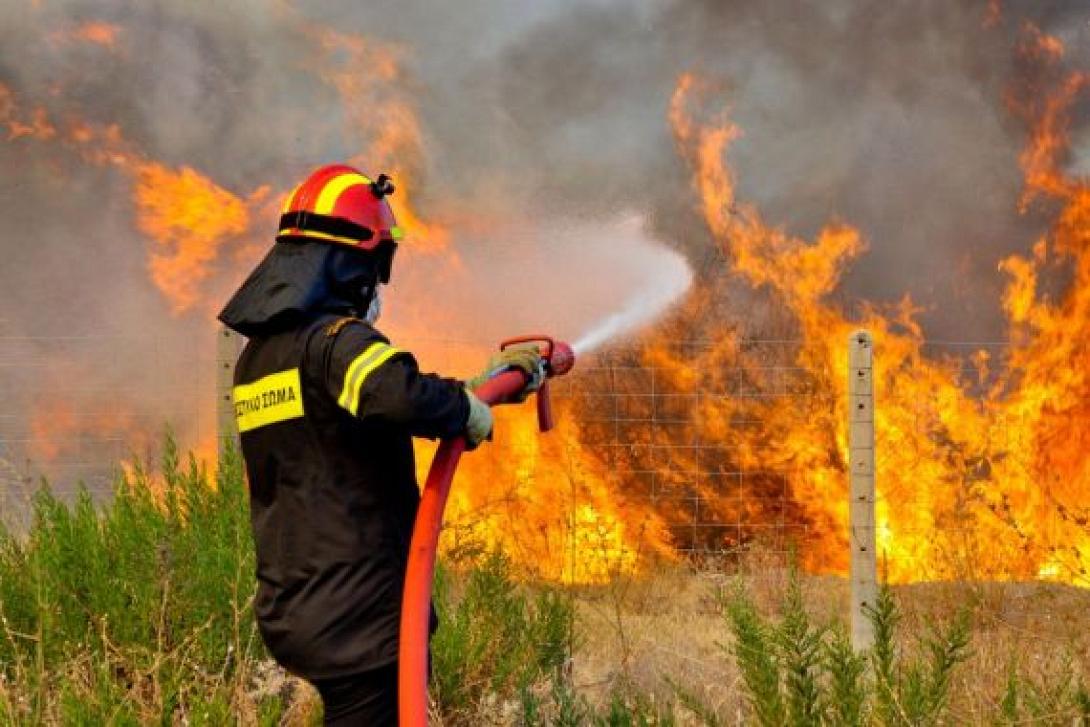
point(327, 409)
point(327, 412)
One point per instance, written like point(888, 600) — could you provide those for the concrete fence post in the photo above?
point(228, 346)
point(864, 561)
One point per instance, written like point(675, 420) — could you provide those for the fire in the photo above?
point(371, 82)
point(35, 125)
point(975, 487)
point(64, 431)
point(99, 33)
point(188, 217)
point(971, 485)
point(549, 503)
point(95, 32)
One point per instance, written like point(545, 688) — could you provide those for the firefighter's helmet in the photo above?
point(338, 204)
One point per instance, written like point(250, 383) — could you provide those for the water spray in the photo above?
point(652, 303)
point(502, 388)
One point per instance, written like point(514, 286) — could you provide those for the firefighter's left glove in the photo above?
point(527, 358)
point(479, 423)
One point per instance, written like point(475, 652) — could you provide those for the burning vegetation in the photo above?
point(982, 466)
point(971, 485)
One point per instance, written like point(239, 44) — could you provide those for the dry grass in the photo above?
point(647, 634)
point(651, 633)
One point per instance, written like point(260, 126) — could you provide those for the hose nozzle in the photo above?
point(559, 359)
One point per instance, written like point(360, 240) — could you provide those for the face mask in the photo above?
point(374, 310)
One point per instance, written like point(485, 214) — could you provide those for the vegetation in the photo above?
point(139, 612)
point(798, 673)
point(134, 613)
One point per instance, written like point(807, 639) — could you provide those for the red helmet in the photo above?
point(338, 204)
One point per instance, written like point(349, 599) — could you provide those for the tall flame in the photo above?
point(95, 32)
point(188, 217)
point(993, 486)
point(981, 468)
point(551, 504)
point(371, 82)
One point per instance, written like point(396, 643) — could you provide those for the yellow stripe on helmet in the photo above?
point(334, 188)
point(286, 207)
point(361, 367)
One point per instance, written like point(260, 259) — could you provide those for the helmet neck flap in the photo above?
point(297, 281)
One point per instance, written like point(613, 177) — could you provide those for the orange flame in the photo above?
point(550, 504)
point(969, 487)
point(95, 32)
point(188, 217)
point(36, 125)
point(369, 78)
point(549, 501)
point(64, 431)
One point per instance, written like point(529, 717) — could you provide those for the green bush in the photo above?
point(139, 605)
point(496, 638)
point(560, 706)
point(797, 673)
point(138, 611)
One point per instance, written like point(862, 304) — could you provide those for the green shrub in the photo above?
point(561, 706)
point(847, 686)
point(136, 610)
point(496, 638)
point(914, 691)
point(754, 650)
point(796, 673)
point(1055, 697)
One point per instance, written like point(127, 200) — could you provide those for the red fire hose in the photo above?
point(502, 388)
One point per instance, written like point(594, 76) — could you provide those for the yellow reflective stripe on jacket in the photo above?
point(361, 367)
point(269, 400)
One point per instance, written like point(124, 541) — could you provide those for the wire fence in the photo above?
point(648, 434)
point(76, 407)
point(718, 451)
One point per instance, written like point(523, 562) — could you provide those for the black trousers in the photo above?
point(368, 699)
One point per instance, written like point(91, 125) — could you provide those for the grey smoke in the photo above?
point(884, 115)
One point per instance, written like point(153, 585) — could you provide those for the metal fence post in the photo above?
point(228, 345)
point(864, 561)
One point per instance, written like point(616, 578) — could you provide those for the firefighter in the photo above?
point(327, 409)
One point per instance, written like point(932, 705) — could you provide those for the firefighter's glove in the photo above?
point(527, 358)
point(479, 423)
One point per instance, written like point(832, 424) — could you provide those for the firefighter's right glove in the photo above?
point(527, 358)
point(479, 423)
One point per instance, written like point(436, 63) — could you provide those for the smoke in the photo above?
point(540, 125)
point(889, 117)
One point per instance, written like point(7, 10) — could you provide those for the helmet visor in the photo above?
point(384, 258)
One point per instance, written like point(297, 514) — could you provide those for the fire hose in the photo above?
point(502, 388)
